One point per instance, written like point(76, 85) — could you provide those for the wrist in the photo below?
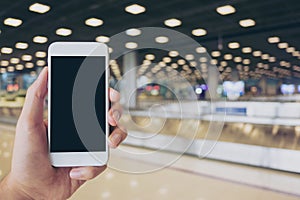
point(9, 189)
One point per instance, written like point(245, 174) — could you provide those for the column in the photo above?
point(212, 83)
point(129, 80)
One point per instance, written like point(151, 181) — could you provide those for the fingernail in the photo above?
point(115, 139)
point(75, 174)
point(114, 94)
point(116, 115)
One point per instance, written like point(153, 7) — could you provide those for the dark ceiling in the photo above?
point(273, 18)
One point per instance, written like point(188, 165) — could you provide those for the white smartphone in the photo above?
point(78, 103)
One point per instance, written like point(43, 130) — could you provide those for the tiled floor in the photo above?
point(188, 178)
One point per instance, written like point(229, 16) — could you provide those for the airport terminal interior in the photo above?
point(210, 92)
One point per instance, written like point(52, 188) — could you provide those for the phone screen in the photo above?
point(64, 136)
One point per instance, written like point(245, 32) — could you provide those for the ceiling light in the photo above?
point(21, 45)
point(225, 10)
point(63, 32)
point(223, 63)
point(150, 57)
point(189, 56)
point(290, 49)
point(200, 49)
point(256, 53)
point(173, 22)
point(133, 32)
point(19, 67)
point(40, 39)
point(237, 59)
point(203, 59)
point(40, 54)
point(227, 56)
point(135, 9)
point(282, 45)
point(2, 70)
point(39, 8)
point(167, 59)
point(233, 45)
point(4, 63)
point(6, 50)
point(10, 69)
point(247, 22)
point(273, 39)
point(181, 62)
point(29, 65)
point(199, 32)
point(215, 53)
point(26, 57)
point(94, 22)
point(131, 45)
point(12, 22)
point(174, 65)
point(40, 63)
point(161, 39)
point(246, 61)
point(265, 56)
point(102, 39)
point(14, 60)
point(173, 53)
point(272, 59)
point(246, 50)
point(213, 61)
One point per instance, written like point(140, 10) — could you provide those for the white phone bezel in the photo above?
point(69, 159)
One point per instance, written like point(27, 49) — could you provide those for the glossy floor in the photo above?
point(187, 178)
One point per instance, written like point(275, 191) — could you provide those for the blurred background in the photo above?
point(238, 91)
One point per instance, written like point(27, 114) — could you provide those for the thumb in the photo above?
point(32, 112)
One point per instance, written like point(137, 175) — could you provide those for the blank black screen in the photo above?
point(64, 136)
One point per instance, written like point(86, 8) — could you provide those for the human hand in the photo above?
point(32, 176)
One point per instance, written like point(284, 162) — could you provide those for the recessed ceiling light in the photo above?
point(256, 53)
point(174, 65)
point(225, 10)
point(4, 63)
point(246, 61)
point(215, 53)
point(63, 31)
point(6, 50)
point(19, 67)
point(40, 39)
point(26, 57)
point(290, 49)
point(233, 45)
point(173, 22)
point(227, 56)
point(265, 56)
point(203, 59)
point(2, 70)
point(273, 39)
point(14, 60)
point(150, 57)
point(213, 61)
point(161, 39)
point(40, 54)
point(272, 59)
point(167, 59)
point(94, 22)
point(131, 45)
point(181, 62)
point(246, 49)
point(189, 57)
point(223, 63)
point(40, 63)
point(200, 49)
point(247, 22)
point(29, 65)
point(237, 59)
point(133, 32)
point(21, 45)
point(199, 32)
point(173, 53)
point(10, 69)
point(102, 39)
point(135, 9)
point(283, 45)
point(12, 22)
point(39, 8)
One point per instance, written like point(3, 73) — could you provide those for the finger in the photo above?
point(86, 173)
point(114, 95)
point(117, 136)
point(114, 114)
point(33, 107)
